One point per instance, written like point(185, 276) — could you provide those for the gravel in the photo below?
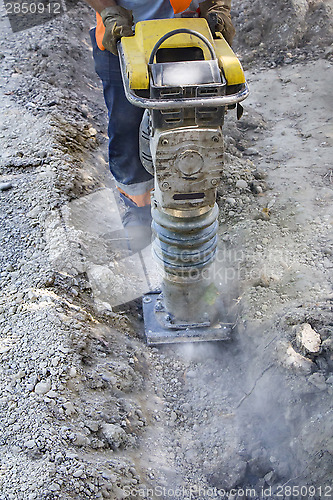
point(86, 409)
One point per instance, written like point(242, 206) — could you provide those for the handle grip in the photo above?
point(176, 32)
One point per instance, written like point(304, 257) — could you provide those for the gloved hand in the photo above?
point(220, 9)
point(118, 22)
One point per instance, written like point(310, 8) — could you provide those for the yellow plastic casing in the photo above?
point(137, 48)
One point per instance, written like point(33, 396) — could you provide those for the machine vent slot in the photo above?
point(172, 115)
point(145, 156)
point(188, 196)
point(170, 93)
point(170, 111)
point(207, 111)
point(207, 92)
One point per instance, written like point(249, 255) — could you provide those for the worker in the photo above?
point(114, 20)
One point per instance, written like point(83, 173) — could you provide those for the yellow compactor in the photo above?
point(186, 80)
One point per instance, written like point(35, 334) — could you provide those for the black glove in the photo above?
point(217, 14)
point(118, 22)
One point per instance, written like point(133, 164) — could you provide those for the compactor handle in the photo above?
point(176, 32)
point(186, 102)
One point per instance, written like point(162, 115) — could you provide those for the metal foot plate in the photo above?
point(157, 333)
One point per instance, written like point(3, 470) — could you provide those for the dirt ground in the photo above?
point(87, 410)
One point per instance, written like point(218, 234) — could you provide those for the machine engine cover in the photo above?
point(188, 166)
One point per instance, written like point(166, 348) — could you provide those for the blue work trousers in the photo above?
point(123, 130)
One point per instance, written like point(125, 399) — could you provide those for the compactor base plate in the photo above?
point(156, 333)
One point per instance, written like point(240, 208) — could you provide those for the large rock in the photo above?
point(114, 435)
point(43, 387)
point(292, 359)
point(308, 340)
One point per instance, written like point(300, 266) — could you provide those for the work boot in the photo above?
point(137, 225)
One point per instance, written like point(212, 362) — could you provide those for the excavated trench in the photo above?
point(239, 418)
point(112, 418)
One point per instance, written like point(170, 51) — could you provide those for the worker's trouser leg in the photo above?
point(124, 121)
